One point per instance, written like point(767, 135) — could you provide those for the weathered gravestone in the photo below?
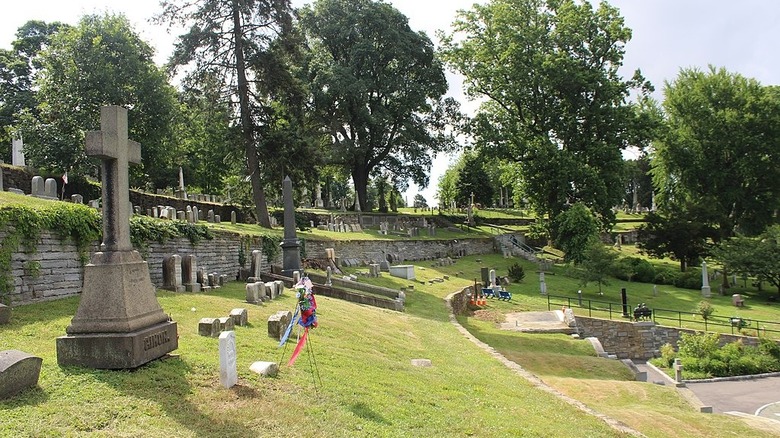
point(119, 324)
point(172, 273)
point(189, 276)
point(5, 314)
point(18, 371)
point(291, 246)
point(228, 371)
point(278, 322)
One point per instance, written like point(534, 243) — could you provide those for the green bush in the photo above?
point(516, 272)
point(668, 354)
point(635, 269)
point(665, 275)
point(690, 279)
point(698, 346)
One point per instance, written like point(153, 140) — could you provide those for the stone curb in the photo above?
point(536, 381)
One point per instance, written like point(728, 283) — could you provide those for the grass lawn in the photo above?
point(368, 388)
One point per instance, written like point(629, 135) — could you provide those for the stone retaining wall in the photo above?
point(364, 250)
point(640, 340)
point(56, 271)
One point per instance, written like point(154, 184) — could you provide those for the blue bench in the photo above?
point(487, 292)
point(504, 295)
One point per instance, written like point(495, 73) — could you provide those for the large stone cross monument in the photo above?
point(119, 324)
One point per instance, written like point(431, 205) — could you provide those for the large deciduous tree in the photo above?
point(555, 101)
point(18, 70)
point(98, 62)
point(377, 89)
point(721, 149)
point(233, 39)
point(759, 257)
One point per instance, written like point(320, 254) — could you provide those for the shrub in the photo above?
point(769, 348)
point(635, 269)
point(705, 309)
point(690, 279)
point(668, 354)
point(665, 276)
point(516, 272)
point(699, 345)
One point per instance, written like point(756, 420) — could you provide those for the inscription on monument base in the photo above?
point(118, 350)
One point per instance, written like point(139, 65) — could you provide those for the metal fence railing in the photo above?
point(603, 309)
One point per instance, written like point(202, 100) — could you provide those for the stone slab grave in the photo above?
point(228, 372)
point(240, 316)
point(278, 322)
point(18, 371)
point(403, 271)
point(119, 323)
point(267, 369)
point(208, 327)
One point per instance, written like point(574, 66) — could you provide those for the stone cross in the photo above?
point(115, 150)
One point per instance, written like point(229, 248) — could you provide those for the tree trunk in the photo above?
point(360, 179)
point(683, 265)
point(247, 125)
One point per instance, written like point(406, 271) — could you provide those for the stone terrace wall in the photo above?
point(364, 250)
point(640, 340)
point(16, 177)
point(60, 272)
point(55, 270)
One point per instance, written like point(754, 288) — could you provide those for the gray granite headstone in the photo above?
point(18, 371)
point(17, 152)
point(278, 322)
point(189, 268)
point(291, 251)
point(172, 273)
point(50, 188)
point(240, 316)
point(37, 186)
point(119, 324)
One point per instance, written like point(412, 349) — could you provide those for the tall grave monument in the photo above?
point(119, 324)
point(291, 246)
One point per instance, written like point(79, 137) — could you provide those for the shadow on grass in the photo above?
point(365, 412)
point(164, 383)
point(29, 397)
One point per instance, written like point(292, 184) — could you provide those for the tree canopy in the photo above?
point(100, 61)
point(720, 149)
point(377, 89)
point(232, 40)
point(556, 103)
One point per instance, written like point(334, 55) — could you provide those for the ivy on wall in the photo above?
point(79, 224)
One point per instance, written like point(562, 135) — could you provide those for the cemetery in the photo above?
point(230, 244)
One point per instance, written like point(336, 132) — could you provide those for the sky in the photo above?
point(667, 35)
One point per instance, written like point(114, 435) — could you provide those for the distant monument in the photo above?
point(291, 246)
point(119, 324)
point(17, 151)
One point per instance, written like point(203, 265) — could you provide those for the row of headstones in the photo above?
point(340, 227)
point(190, 214)
point(446, 261)
point(197, 197)
point(257, 291)
point(228, 355)
point(212, 327)
point(181, 274)
point(44, 189)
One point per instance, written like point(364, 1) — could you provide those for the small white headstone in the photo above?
point(228, 373)
point(268, 369)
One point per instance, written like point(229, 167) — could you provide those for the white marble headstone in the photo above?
point(228, 372)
